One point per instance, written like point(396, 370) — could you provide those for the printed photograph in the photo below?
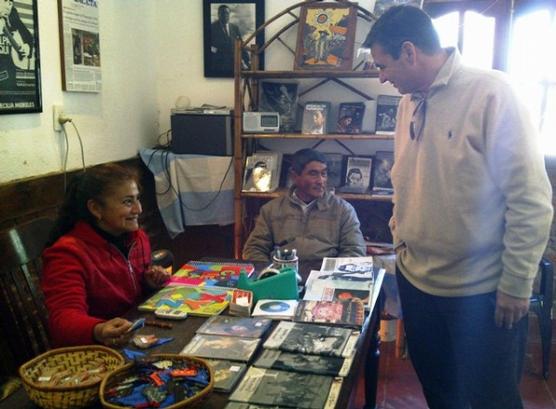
point(224, 23)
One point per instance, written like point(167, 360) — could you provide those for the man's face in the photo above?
point(395, 71)
point(355, 178)
point(224, 15)
point(311, 183)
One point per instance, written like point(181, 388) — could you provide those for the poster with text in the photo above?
point(20, 86)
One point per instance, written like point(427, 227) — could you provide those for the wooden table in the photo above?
point(365, 362)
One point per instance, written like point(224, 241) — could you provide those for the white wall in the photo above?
point(152, 53)
point(114, 123)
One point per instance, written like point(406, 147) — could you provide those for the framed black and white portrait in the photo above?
point(358, 175)
point(20, 82)
point(224, 22)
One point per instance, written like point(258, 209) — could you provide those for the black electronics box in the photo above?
point(202, 132)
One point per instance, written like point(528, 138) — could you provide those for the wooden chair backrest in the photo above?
point(23, 316)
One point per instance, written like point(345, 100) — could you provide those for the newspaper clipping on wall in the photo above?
point(80, 45)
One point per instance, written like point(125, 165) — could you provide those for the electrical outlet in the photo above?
point(57, 111)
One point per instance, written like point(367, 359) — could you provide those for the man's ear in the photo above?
point(409, 52)
point(94, 208)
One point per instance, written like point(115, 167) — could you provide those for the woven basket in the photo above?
point(62, 359)
point(124, 372)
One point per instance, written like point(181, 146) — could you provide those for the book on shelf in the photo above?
point(275, 309)
point(285, 179)
point(194, 300)
point(382, 168)
point(350, 117)
point(262, 172)
point(221, 347)
point(220, 274)
point(226, 373)
point(386, 110)
point(247, 327)
point(358, 175)
point(347, 313)
point(335, 169)
point(313, 339)
point(305, 363)
point(288, 389)
point(280, 97)
point(315, 117)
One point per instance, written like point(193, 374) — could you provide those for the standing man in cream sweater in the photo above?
point(472, 214)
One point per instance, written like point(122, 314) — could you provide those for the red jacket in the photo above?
point(87, 280)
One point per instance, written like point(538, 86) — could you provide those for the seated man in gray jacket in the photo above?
point(309, 218)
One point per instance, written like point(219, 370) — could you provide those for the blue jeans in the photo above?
point(463, 360)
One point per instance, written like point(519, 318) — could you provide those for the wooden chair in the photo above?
point(23, 316)
point(541, 304)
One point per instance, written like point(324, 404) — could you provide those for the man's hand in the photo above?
point(156, 276)
point(112, 333)
point(509, 309)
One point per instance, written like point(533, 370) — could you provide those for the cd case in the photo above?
point(235, 326)
point(226, 373)
point(298, 362)
point(313, 339)
point(275, 309)
point(221, 347)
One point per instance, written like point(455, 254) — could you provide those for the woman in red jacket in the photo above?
point(98, 265)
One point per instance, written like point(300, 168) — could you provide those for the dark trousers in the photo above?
point(463, 360)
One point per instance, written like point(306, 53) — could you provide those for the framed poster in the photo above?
point(20, 82)
point(80, 45)
point(223, 23)
point(325, 37)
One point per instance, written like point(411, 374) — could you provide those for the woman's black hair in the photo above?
point(94, 184)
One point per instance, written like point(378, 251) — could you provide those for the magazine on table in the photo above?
point(347, 313)
point(262, 172)
point(290, 389)
point(220, 274)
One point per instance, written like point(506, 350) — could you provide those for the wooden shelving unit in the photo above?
point(246, 84)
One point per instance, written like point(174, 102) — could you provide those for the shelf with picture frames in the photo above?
point(247, 86)
point(330, 136)
point(348, 196)
point(309, 74)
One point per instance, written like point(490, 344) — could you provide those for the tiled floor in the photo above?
point(398, 387)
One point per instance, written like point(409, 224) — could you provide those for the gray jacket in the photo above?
point(329, 228)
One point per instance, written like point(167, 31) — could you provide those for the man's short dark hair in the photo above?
point(403, 23)
point(303, 156)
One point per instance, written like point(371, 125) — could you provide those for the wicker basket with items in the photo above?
point(162, 380)
point(70, 377)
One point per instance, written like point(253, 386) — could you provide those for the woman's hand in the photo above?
point(156, 276)
point(112, 333)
